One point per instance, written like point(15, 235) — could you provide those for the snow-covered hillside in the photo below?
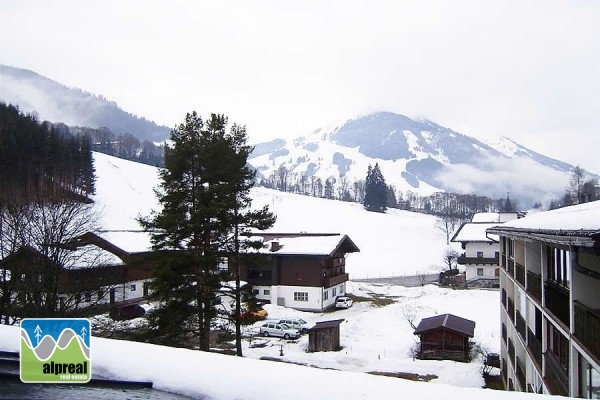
point(391, 244)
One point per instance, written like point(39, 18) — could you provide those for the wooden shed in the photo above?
point(445, 337)
point(325, 336)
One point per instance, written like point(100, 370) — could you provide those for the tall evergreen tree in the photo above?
point(204, 194)
point(375, 190)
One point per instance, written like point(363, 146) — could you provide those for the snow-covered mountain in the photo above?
point(416, 155)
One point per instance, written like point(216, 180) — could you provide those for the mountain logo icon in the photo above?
point(55, 350)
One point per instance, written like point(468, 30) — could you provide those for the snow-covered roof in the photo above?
point(579, 222)
point(584, 216)
point(309, 245)
point(475, 232)
point(494, 216)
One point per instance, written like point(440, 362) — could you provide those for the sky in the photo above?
point(529, 70)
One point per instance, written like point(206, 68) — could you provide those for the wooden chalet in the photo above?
point(305, 271)
point(445, 337)
point(325, 336)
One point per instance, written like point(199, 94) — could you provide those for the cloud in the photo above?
point(523, 178)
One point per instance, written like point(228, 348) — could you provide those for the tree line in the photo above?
point(46, 178)
point(36, 159)
point(379, 195)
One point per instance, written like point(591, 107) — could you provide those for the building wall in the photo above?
point(489, 249)
point(314, 297)
point(539, 376)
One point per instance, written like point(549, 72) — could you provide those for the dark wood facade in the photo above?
point(445, 337)
point(310, 270)
point(324, 336)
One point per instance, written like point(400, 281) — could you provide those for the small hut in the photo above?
point(324, 336)
point(445, 337)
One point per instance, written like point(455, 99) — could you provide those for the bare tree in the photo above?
point(410, 311)
point(448, 224)
point(576, 182)
point(38, 248)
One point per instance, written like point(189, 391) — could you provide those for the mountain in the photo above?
point(56, 103)
point(416, 155)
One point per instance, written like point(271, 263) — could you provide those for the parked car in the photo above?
point(279, 330)
point(343, 302)
point(296, 323)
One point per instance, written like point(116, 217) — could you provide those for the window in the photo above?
point(479, 271)
point(326, 295)
point(22, 277)
point(267, 292)
point(480, 254)
point(132, 287)
point(342, 288)
point(333, 292)
point(255, 291)
point(300, 296)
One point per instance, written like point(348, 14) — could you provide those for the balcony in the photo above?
point(520, 274)
point(535, 348)
point(511, 267)
point(521, 326)
point(503, 298)
point(462, 260)
point(587, 328)
point(504, 334)
point(520, 375)
point(503, 263)
point(511, 351)
point(511, 309)
point(557, 301)
point(534, 286)
point(556, 378)
point(335, 280)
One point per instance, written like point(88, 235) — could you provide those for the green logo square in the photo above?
point(55, 350)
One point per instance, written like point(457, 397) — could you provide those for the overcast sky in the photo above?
point(529, 70)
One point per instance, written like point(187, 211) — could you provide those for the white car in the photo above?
point(343, 302)
point(296, 323)
point(279, 330)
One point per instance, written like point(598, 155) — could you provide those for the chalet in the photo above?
point(481, 250)
point(305, 271)
point(550, 301)
point(97, 275)
point(445, 337)
point(324, 336)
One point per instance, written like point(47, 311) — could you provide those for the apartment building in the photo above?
point(550, 301)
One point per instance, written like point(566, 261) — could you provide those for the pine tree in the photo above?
point(375, 190)
point(204, 194)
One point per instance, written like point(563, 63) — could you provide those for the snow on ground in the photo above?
point(379, 338)
point(374, 338)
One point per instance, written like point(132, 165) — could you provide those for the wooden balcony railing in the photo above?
point(534, 285)
point(510, 308)
point(587, 327)
point(521, 326)
point(511, 267)
point(520, 274)
point(335, 280)
point(462, 260)
point(520, 372)
point(556, 378)
point(557, 300)
point(535, 347)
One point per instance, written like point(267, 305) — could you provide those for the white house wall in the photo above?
point(489, 249)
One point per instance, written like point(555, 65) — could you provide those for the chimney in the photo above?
point(274, 245)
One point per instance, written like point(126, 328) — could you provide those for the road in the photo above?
point(409, 281)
